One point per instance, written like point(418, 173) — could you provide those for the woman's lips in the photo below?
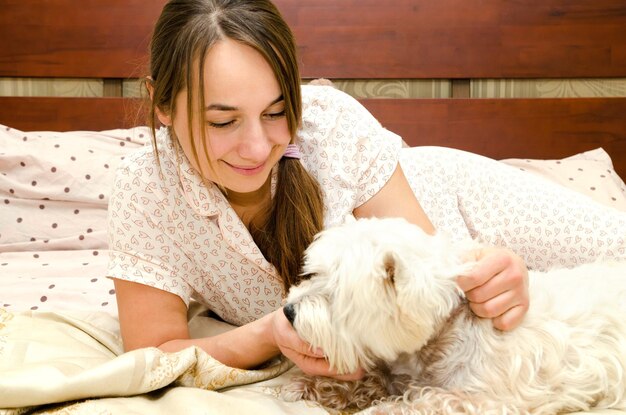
point(247, 171)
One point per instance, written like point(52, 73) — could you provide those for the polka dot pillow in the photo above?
point(590, 173)
point(54, 186)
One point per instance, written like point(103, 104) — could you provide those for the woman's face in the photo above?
point(246, 127)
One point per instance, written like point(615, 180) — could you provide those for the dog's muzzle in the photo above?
point(290, 312)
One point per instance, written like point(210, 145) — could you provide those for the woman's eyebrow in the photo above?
point(220, 107)
point(224, 107)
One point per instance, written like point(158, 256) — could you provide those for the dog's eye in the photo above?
point(307, 276)
point(301, 278)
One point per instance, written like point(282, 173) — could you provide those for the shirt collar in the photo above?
point(203, 197)
point(206, 199)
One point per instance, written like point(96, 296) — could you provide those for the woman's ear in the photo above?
point(164, 118)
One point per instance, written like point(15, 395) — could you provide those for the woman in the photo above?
point(248, 168)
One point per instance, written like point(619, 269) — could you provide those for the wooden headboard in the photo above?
point(456, 40)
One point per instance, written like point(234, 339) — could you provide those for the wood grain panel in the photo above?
point(459, 38)
point(497, 128)
point(504, 128)
point(340, 39)
point(68, 114)
point(66, 38)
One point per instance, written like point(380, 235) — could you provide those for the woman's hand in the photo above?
point(497, 288)
point(312, 362)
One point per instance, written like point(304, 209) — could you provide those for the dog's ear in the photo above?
point(389, 262)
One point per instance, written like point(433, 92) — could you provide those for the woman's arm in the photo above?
point(396, 199)
point(497, 288)
point(150, 317)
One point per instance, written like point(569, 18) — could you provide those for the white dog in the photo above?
point(382, 295)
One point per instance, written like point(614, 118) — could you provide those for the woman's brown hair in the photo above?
point(182, 37)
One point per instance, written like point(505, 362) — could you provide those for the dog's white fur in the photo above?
point(382, 295)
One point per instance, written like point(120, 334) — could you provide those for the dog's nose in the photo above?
point(290, 312)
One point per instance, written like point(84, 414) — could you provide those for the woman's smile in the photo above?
point(246, 170)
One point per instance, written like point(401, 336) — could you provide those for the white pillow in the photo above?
point(55, 186)
point(590, 173)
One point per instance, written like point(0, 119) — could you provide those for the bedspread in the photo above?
point(75, 359)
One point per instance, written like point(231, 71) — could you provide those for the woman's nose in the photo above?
point(255, 144)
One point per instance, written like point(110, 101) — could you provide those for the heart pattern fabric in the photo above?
point(545, 223)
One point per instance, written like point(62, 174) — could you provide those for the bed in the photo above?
point(60, 349)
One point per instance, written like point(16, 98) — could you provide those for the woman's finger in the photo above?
point(490, 263)
point(510, 279)
point(511, 319)
point(320, 367)
point(287, 338)
point(496, 306)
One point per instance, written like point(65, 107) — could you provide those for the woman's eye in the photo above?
point(276, 114)
point(221, 125)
